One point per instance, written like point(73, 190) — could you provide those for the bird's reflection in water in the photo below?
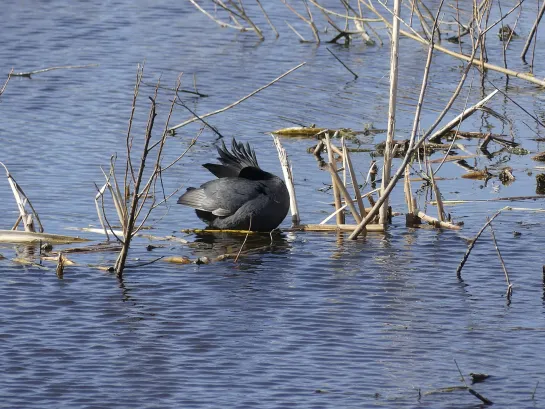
point(216, 244)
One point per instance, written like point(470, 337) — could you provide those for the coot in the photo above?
point(244, 197)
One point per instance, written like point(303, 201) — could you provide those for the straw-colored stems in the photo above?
point(386, 172)
point(336, 193)
point(336, 227)
point(22, 200)
point(288, 178)
point(98, 196)
point(406, 160)
point(465, 114)
point(268, 19)
point(438, 199)
point(355, 185)
point(345, 193)
point(532, 33)
point(409, 198)
point(437, 223)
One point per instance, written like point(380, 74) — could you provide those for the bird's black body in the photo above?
point(244, 197)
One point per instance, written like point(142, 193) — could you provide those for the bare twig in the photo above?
point(268, 19)
point(236, 102)
point(509, 285)
point(532, 33)
point(472, 243)
point(6, 83)
point(343, 64)
point(30, 73)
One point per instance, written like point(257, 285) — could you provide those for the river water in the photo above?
point(313, 320)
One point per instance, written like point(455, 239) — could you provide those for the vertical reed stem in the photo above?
point(386, 172)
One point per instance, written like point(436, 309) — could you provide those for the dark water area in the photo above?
point(310, 320)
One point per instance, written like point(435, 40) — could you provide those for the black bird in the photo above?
point(244, 197)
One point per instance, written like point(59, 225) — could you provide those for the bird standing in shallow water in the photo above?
point(244, 197)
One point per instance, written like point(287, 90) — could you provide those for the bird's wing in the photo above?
point(222, 197)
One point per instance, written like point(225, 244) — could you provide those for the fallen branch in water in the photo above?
point(65, 67)
point(18, 236)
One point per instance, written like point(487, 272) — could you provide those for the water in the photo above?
point(314, 320)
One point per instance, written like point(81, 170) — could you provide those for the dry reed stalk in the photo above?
point(409, 199)
point(219, 22)
point(336, 227)
point(413, 147)
point(368, 195)
point(345, 193)
point(241, 13)
point(309, 21)
point(318, 149)
point(18, 236)
point(301, 38)
point(267, 18)
point(22, 200)
point(354, 180)
point(438, 199)
point(336, 193)
point(287, 171)
point(394, 58)
point(526, 77)
point(236, 102)
point(465, 114)
point(532, 33)
point(346, 16)
point(509, 291)
point(437, 223)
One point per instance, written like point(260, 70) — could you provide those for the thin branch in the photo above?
point(65, 67)
point(236, 102)
point(6, 83)
point(473, 241)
